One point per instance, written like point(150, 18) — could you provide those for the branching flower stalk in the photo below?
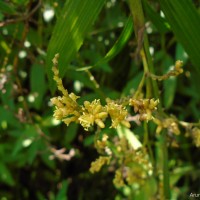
point(131, 165)
point(151, 85)
point(87, 115)
point(177, 70)
point(90, 113)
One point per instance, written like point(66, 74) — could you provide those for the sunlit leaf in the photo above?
point(184, 20)
point(5, 175)
point(74, 22)
point(130, 136)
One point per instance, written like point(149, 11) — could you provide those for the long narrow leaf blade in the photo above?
point(76, 19)
point(185, 23)
point(120, 43)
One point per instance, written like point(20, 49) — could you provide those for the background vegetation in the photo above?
point(40, 157)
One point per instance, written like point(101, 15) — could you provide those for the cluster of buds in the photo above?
point(131, 165)
point(145, 107)
point(196, 136)
point(175, 71)
point(67, 109)
point(93, 112)
point(98, 163)
point(169, 123)
point(102, 144)
point(134, 164)
point(118, 114)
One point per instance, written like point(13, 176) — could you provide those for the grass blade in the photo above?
point(76, 19)
point(120, 43)
point(185, 23)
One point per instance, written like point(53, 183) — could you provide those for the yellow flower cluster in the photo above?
point(90, 113)
point(169, 123)
point(56, 77)
point(196, 136)
point(119, 179)
point(118, 114)
point(178, 68)
point(93, 112)
point(145, 107)
point(98, 163)
point(135, 165)
point(67, 108)
point(102, 144)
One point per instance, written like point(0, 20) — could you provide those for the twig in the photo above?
point(23, 18)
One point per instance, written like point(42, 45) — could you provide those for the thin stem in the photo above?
point(139, 89)
point(143, 45)
point(95, 83)
point(151, 85)
point(146, 71)
point(147, 143)
point(166, 182)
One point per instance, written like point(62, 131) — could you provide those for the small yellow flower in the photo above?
point(118, 114)
point(102, 144)
point(145, 107)
point(98, 163)
point(178, 67)
point(67, 108)
point(169, 123)
point(118, 180)
point(196, 136)
point(93, 112)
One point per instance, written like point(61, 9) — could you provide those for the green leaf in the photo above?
point(94, 57)
point(180, 53)
point(33, 150)
point(169, 91)
point(120, 43)
point(148, 190)
point(7, 118)
point(159, 22)
point(132, 84)
point(24, 139)
point(89, 140)
point(5, 175)
point(169, 85)
point(62, 194)
point(184, 20)
point(70, 133)
point(130, 136)
point(38, 85)
point(179, 172)
point(7, 8)
point(74, 22)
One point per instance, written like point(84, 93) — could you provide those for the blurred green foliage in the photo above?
point(40, 158)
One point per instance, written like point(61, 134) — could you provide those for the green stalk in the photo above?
point(166, 181)
point(151, 85)
point(139, 26)
point(143, 44)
